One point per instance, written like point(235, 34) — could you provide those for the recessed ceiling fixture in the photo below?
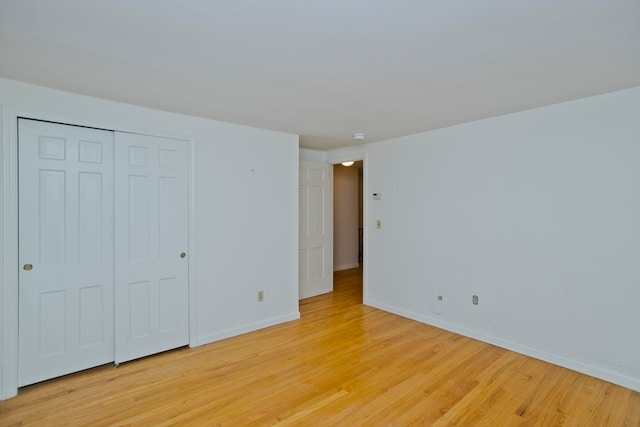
point(350, 163)
point(358, 136)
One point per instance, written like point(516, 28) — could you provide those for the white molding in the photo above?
point(10, 261)
point(9, 284)
point(2, 266)
point(627, 381)
point(251, 327)
point(365, 227)
point(193, 281)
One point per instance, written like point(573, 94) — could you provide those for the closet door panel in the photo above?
point(151, 245)
point(65, 248)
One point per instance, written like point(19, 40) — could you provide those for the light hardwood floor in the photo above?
point(342, 364)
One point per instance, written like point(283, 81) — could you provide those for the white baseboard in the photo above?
point(228, 333)
point(345, 267)
point(576, 365)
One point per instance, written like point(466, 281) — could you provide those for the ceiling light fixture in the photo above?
point(358, 136)
point(350, 163)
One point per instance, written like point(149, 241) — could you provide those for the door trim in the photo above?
point(9, 233)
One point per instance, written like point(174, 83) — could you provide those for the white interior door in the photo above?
point(65, 249)
point(151, 237)
point(315, 259)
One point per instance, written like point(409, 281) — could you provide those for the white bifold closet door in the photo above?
point(103, 235)
point(151, 239)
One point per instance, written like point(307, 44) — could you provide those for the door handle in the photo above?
point(28, 267)
point(183, 255)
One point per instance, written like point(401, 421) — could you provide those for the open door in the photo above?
point(315, 259)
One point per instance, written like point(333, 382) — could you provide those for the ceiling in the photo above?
point(326, 69)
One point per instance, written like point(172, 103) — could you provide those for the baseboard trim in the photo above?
point(346, 267)
point(623, 380)
point(228, 333)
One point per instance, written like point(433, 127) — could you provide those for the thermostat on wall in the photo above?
point(377, 196)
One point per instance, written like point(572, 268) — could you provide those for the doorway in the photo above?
point(348, 230)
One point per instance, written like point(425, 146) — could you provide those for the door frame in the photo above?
point(9, 232)
point(358, 154)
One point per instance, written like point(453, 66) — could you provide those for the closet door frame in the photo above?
point(9, 261)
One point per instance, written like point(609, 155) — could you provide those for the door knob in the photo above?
point(183, 255)
point(27, 267)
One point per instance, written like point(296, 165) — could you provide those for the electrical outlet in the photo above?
point(475, 300)
point(260, 296)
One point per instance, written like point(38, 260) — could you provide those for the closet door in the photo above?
point(65, 249)
point(151, 238)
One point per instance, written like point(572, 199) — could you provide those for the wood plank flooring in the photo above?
point(342, 364)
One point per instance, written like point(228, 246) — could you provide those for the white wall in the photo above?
point(537, 213)
point(345, 217)
point(312, 155)
point(245, 210)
